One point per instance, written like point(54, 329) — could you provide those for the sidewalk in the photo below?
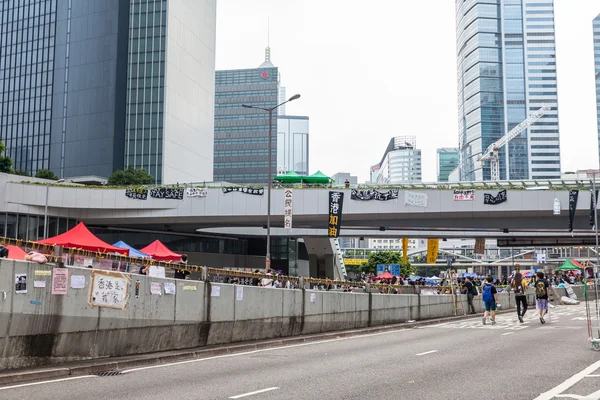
point(97, 366)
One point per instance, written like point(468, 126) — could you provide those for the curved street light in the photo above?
point(270, 172)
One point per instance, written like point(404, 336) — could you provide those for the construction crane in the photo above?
point(491, 152)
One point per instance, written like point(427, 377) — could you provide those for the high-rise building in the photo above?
point(401, 162)
point(447, 161)
point(597, 64)
point(242, 134)
point(374, 173)
point(507, 70)
point(341, 177)
point(292, 143)
point(88, 87)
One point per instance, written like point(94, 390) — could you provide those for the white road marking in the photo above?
point(592, 376)
point(507, 333)
point(260, 351)
point(568, 383)
point(239, 396)
point(44, 382)
point(427, 352)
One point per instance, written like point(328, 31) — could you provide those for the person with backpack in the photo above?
point(490, 300)
point(541, 295)
point(520, 290)
point(471, 291)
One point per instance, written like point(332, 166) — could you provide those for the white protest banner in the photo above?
point(287, 209)
point(415, 199)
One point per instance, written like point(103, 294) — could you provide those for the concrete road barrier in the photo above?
point(38, 327)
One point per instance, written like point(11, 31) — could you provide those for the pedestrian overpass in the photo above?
point(523, 217)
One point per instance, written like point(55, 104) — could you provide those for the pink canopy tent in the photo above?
point(160, 252)
point(81, 238)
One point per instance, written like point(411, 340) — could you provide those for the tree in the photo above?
point(46, 174)
point(386, 257)
point(19, 172)
point(130, 176)
point(5, 162)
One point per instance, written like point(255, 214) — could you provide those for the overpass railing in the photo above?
point(539, 184)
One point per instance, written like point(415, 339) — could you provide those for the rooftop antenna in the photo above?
point(267, 63)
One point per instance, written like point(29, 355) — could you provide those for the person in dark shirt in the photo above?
point(471, 292)
point(182, 273)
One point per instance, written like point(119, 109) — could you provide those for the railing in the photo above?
point(553, 184)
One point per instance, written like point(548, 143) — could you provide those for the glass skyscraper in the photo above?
point(292, 143)
point(242, 134)
point(88, 87)
point(507, 70)
point(401, 162)
point(447, 161)
point(597, 64)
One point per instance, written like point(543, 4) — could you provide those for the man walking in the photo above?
point(471, 292)
point(541, 295)
point(490, 300)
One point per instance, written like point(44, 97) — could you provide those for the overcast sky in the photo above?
point(368, 71)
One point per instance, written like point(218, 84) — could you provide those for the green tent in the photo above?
point(290, 177)
point(569, 265)
point(317, 177)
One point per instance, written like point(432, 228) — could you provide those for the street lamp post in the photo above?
point(270, 172)
point(46, 207)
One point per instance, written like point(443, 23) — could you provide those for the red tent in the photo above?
point(81, 238)
point(15, 253)
point(160, 252)
point(385, 275)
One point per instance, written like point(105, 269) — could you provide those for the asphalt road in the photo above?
point(459, 360)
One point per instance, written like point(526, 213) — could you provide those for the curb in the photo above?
point(92, 367)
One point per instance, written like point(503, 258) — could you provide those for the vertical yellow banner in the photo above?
point(433, 246)
point(404, 251)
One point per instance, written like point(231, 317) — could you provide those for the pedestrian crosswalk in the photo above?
point(567, 315)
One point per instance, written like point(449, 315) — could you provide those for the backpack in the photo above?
point(540, 289)
point(474, 290)
point(519, 291)
point(487, 293)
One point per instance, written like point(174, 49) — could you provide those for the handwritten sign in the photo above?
point(109, 289)
point(60, 279)
point(169, 288)
point(156, 272)
point(156, 288)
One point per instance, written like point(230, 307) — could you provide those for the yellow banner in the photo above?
point(404, 251)
point(433, 246)
point(354, 261)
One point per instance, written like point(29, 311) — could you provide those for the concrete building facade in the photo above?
point(506, 70)
point(89, 87)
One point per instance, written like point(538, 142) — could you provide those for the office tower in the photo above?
point(94, 86)
point(341, 177)
point(447, 161)
point(374, 173)
point(597, 64)
point(401, 162)
point(507, 70)
point(292, 143)
point(242, 134)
